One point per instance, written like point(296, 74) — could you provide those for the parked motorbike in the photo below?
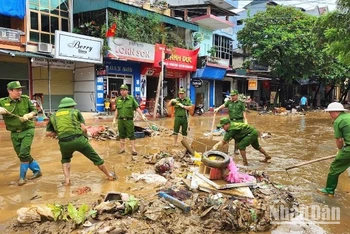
point(199, 109)
point(290, 104)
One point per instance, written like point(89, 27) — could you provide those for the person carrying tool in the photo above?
point(68, 125)
point(244, 135)
point(18, 112)
point(182, 105)
point(341, 126)
point(236, 111)
point(125, 107)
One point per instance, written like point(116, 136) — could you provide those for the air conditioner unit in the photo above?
point(44, 47)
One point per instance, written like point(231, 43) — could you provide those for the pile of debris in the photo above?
point(187, 200)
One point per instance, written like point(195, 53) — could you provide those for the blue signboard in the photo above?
point(126, 67)
point(210, 73)
point(99, 94)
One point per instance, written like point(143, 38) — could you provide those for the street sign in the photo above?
point(196, 82)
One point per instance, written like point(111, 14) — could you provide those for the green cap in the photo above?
point(14, 85)
point(223, 121)
point(234, 92)
point(124, 86)
point(182, 90)
point(67, 102)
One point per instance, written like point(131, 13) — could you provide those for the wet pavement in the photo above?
point(294, 139)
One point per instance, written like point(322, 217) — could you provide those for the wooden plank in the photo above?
point(242, 192)
point(224, 186)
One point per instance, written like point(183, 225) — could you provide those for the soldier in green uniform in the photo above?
point(182, 105)
point(68, 125)
point(18, 112)
point(236, 110)
point(124, 113)
point(244, 136)
point(341, 126)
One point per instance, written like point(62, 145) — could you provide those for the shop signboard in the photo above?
point(76, 47)
point(176, 58)
point(124, 49)
point(155, 72)
point(11, 35)
point(100, 94)
point(196, 82)
point(252, 84)
point(54, 63)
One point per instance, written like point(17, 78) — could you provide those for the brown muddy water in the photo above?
point(294, 139)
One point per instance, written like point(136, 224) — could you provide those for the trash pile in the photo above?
point(101, 133)
point(186, 200)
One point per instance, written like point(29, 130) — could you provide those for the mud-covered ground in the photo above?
point(294, 139)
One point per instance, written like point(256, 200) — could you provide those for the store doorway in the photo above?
point(202, 95)
point(113, 86)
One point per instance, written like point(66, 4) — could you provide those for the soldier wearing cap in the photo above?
point(124, 113)
point(18, 112)
point(244, 135)
point(236, 110)
point(68, 125)
point(182, 105)
point(341, 126)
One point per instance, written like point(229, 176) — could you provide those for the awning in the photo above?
point(247, 77)
point(15, 53)
point(210, 73)
point(212, 22)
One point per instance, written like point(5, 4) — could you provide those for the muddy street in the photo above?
point(293, 139)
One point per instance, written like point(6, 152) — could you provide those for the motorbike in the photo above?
point(290, 104)
point(199, 109)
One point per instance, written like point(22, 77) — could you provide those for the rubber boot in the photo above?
point(34, 166)
point(22, 173)
point(332, 182)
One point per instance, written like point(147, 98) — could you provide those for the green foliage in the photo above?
point(282, 38)
point(212, 51)
point(131, 205)
point(58, 211)
point(78, 216)
point(148, 29)
point(134, 27)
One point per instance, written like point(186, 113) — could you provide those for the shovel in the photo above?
point(310, 162)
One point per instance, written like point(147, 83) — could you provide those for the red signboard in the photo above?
point(177, 58)
point(150, 70)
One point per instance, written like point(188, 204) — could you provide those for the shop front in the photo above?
point(212, 87)
point(52, 80)
point(125, 59)
point(173, 79)
point(83, 53)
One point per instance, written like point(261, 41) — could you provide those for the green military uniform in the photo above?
point(22, 130)
point(341, 127)
point(66, 124)
point(126, 107)
point(22, 133)
point(235, 110)
point(244, 134)
point(181, 115)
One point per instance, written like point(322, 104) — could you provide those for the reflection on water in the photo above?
point(294, 139)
